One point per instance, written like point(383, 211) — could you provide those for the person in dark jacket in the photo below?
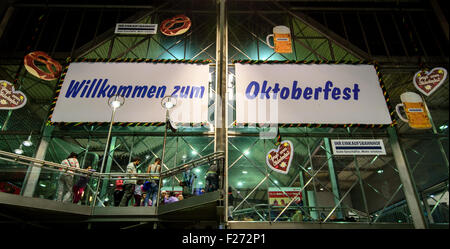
point(80, 186)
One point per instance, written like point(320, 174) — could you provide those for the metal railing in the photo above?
point(52, 166)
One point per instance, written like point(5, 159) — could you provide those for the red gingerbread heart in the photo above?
point(280, 159)
point(9, 98)
point(428, 82)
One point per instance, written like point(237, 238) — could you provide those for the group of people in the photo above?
point(144, 193)
point(140, 192)
point(68, 191)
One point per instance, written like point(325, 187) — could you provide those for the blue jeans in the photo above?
point(153, 192)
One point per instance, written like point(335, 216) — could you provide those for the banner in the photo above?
point(87, 86)
point(309, 94)
point(282, 196)
point(358, 147)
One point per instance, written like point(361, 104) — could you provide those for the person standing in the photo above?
point(211, 178)
point(129, 184)
point(65, 182)
point(152, 193)
point(78, 188)
point(118, 191)
point(138, 193)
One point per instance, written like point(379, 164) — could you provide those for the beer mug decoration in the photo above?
point(282, 42)
point(416, 114)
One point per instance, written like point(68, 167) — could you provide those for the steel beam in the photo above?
point(409, 188)
point(32, 177)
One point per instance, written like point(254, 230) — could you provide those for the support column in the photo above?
point(409, 188)
point(5, 19)
point(33, 173)
point(312, 203)
point(334, 182)
point(302, 185)
point(221, 117)
point(109, 162)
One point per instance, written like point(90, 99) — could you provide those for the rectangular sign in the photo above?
point(136, 28)
point(282, 196)
point(309, 94)
point(358, 147)
point(87, 87)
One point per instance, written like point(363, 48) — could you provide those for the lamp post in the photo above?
point(114, 102)
point(167, 103)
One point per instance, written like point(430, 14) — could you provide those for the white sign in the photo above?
point(358, 147)
point(136, 28)
point(87, 87)
point(309, 94)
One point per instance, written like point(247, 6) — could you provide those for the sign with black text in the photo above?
point(358, 147)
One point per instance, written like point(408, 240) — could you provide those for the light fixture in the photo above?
point(147, 157)
point(19, 151)
point(380, 171)
point(246, 152)
point(309, 168)
point(184, 156)
point(168, 102)
point(443, 127)
point(197, 170)
point(194, 152)
point(116, 101)
point(27, 143)
point(239, 184)
point(321, 189)
point(200, 183)
point(244, 172)
point(275, 181)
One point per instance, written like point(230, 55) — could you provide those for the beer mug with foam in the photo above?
point(416, 114)
point(281, 39)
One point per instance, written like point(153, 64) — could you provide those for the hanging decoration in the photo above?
point(427, 82)
point(9, 98)
point(280, 159)
point(282, 42)
point(176, 25)
point(416, 113)
point(53, 67)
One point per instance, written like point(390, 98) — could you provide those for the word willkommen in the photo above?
point(99, 88)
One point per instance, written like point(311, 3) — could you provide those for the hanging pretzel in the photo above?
point(169, 27)
point(52, 65)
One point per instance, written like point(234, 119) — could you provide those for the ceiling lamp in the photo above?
point(27, 143)
point(19, 151)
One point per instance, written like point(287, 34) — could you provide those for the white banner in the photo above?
point(309, 94)
point(358, 147)
point(87, 87)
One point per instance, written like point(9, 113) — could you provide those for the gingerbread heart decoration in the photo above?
point(280, 159)
point(9, 98)
point(428, 82)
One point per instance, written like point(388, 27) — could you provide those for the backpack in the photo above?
point(146, 186)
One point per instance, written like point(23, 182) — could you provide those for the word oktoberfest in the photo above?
point(264, 91)
point(99, 88)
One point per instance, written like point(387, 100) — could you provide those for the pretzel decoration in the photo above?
point(52, 65)
point(169, 27)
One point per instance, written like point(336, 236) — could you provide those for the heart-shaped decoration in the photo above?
point(428, 82)
point(9, 98)
point(280, 159)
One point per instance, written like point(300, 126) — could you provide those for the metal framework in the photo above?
point(226, 31)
